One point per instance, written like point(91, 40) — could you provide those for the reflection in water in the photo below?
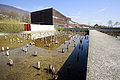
point(75, 66)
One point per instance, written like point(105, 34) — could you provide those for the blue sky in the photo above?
point(81, 11)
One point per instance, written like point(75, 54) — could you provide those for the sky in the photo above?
point(82, 11)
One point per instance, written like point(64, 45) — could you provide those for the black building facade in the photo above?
point(43, 17)
point(48, 17)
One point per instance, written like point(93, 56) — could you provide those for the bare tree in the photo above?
point(116, 24)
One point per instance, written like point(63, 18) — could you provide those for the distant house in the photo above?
point(73, 24)
point(49, 17)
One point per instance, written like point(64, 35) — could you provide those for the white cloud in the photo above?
point(102, 10)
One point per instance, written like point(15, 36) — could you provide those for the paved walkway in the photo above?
point(103, 57)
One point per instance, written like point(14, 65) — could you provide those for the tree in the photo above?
point(26, 18)
point(116, 24)
point(96, 25)
point(110, 23)
point(1, 15)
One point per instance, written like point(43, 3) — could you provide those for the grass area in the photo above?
point(61, 39)
point(60, 28)
point(11, 26)
point(14, 43)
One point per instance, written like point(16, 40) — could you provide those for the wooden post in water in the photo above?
point(53, 71)
point(27, 45)
point(7, 48)
point(25, 50)
point(62, 50)
point(10, 62)
point(7, 53)
point(81, 41)
point(79, 46)
point(74, 45)
point(82, 47)
point(5, 37)
point(50, 68)
point(2, 49)
point(38, 65)
point(35, 53)
point(67, 46)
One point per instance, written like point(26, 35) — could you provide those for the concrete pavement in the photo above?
point(103, 57)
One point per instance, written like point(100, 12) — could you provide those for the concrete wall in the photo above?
point(35, 27)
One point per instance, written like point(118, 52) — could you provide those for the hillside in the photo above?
point(14, 13)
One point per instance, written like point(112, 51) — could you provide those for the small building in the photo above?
point(73, 24)
point(49, 17)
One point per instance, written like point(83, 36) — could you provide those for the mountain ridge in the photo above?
point(6, 8)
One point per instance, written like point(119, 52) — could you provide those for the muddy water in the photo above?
point(25, 64)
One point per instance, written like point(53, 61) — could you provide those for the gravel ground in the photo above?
point(103, 57)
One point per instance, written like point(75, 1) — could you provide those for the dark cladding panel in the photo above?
point(35, 18)
point(48, 16)
point(43, 17)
